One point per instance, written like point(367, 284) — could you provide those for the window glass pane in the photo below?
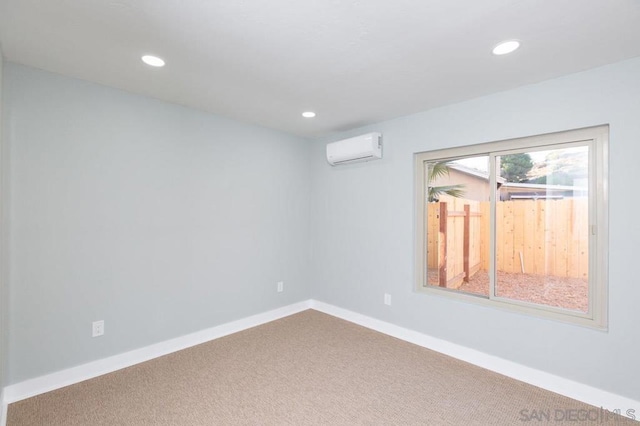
point(457, 224)
point(542, 227)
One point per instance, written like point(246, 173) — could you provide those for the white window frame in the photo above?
point(597, 138)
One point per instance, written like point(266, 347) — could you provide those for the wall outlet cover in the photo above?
point(97, 328)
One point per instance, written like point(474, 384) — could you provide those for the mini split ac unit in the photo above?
point(361, 148)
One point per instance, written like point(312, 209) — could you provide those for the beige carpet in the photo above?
point(306, 369)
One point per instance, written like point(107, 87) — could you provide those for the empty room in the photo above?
point(319, 212)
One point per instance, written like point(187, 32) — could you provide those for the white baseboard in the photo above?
point(59, 379)
point(569, 388)
point(3, 413)
point(581, 392)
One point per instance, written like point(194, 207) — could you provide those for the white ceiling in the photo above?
point(354, 62)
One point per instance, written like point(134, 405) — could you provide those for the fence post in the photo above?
point(442, 249)
point(466, 242)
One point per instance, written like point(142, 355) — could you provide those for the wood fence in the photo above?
point(543, 237)
point(453, 241)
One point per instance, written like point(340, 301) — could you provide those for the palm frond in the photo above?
point(437, 170)
point(456, 191)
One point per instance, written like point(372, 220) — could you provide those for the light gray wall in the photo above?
point(159, 219)
point(362, 219)
point(3, 281)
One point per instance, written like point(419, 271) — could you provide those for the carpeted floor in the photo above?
point(306, 369)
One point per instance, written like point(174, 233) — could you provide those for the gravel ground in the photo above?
point(563, 292)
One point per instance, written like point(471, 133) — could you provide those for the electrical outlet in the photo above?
point(280, 286)
point(98, 328)
point(387, 299)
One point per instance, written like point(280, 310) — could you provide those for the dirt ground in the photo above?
point(563, 292)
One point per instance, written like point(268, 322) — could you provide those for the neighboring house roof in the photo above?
point(544, 186)
point(515, 191)
point(474, 172)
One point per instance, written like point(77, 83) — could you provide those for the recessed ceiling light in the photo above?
point(154, 61)
point(308, 114)
point(506, 47)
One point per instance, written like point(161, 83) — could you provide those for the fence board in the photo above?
point(552, 226)
point(443, 240)
point(562, 243)
point(540, 256)
point(500, 236)
point(455, 256)
point(508, 236)
point(518, 236)
point(552, 236)
point(467, 241)
point(529, 235)
point(485, 249)
point(432, 226)
point(475, 223)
